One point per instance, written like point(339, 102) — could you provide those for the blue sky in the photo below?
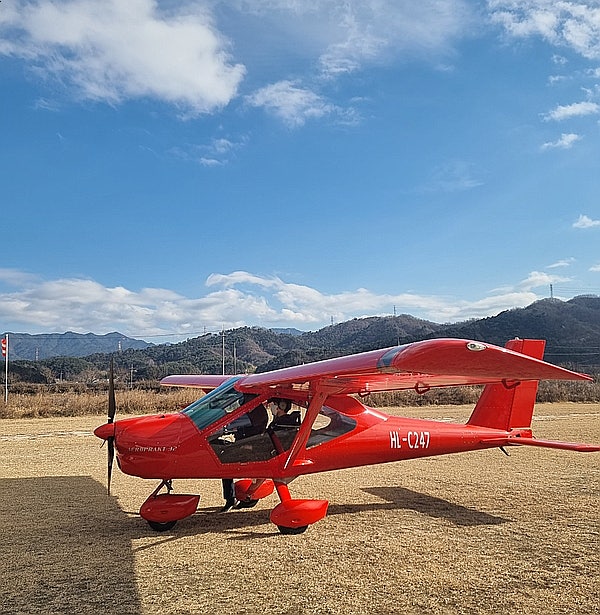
point(169, 168)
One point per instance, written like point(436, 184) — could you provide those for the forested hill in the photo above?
point(571, 329)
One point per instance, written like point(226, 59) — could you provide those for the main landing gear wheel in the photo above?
point(157, 526)
point(292, 530)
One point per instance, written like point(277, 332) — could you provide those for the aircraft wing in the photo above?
point(419, 365)
point(206, 383)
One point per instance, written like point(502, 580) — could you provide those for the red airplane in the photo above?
point(319, 424)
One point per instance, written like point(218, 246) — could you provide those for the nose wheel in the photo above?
point(165, 526)
point(162, 511)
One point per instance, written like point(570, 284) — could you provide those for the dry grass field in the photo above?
point(471, 533)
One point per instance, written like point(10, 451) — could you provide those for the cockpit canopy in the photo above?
point(246, 438)
point(215, 405)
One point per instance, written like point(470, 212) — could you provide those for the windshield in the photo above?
point(215, 405)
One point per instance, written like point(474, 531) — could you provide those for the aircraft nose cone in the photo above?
point(106, 431)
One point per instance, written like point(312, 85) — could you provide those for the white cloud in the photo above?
point(291, 103)
point(343, 37)
point(566, 141)
point(574, 24)
point(453, 176)
point(232, 300)
point(564, 112)
point(585, 222)
point(595, 268)
point(217, 152)
point(110, 51)
point(539, 279)
point(15, 277)
point(559, 60)
point(374, 30)
point(565, 262)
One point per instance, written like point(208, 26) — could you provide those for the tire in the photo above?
point(161, 527)
point(246, 504)
point(292, 530)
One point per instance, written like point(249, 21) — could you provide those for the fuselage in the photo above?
point(169, 446)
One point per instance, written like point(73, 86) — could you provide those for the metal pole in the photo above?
point(223, 350)
point(6, 373)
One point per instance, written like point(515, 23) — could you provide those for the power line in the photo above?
point(567, 290)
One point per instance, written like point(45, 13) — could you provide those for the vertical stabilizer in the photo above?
point(509, 405)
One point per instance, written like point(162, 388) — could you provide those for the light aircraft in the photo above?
point(328, 427)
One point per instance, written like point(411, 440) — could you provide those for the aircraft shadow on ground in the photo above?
point(65, 547)
point(244, 524)
point(401, 498)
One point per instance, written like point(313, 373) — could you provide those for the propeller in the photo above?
point(112, 409)
point(106, 432)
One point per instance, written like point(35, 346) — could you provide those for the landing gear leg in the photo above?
point(167, 483)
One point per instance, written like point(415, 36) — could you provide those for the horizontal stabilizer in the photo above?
point(567, 446)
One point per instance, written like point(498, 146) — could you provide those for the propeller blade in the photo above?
point(112, 409)
point(111, 456)
point(112, 406)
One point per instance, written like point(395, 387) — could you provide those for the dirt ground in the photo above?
point(470, 533)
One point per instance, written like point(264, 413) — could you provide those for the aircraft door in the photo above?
point(255, 436)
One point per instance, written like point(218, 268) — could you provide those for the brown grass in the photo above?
point(470, 533)
point(46, 404)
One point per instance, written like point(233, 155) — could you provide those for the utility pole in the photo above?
point(223, 348)
point(5, 355)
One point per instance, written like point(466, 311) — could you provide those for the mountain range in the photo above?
point(27, 347)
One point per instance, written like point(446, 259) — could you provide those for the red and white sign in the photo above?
point(4, 346)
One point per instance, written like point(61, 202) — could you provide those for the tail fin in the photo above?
point(505, 406)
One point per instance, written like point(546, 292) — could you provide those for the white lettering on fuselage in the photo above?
point(413, 439)
point(152, 449)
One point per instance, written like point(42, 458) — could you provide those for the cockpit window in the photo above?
point(329, 425)
point(215, 405)
point(250, 437)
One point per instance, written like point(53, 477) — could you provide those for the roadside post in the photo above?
point(5, 355)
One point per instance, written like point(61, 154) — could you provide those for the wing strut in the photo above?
point(316, 403)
